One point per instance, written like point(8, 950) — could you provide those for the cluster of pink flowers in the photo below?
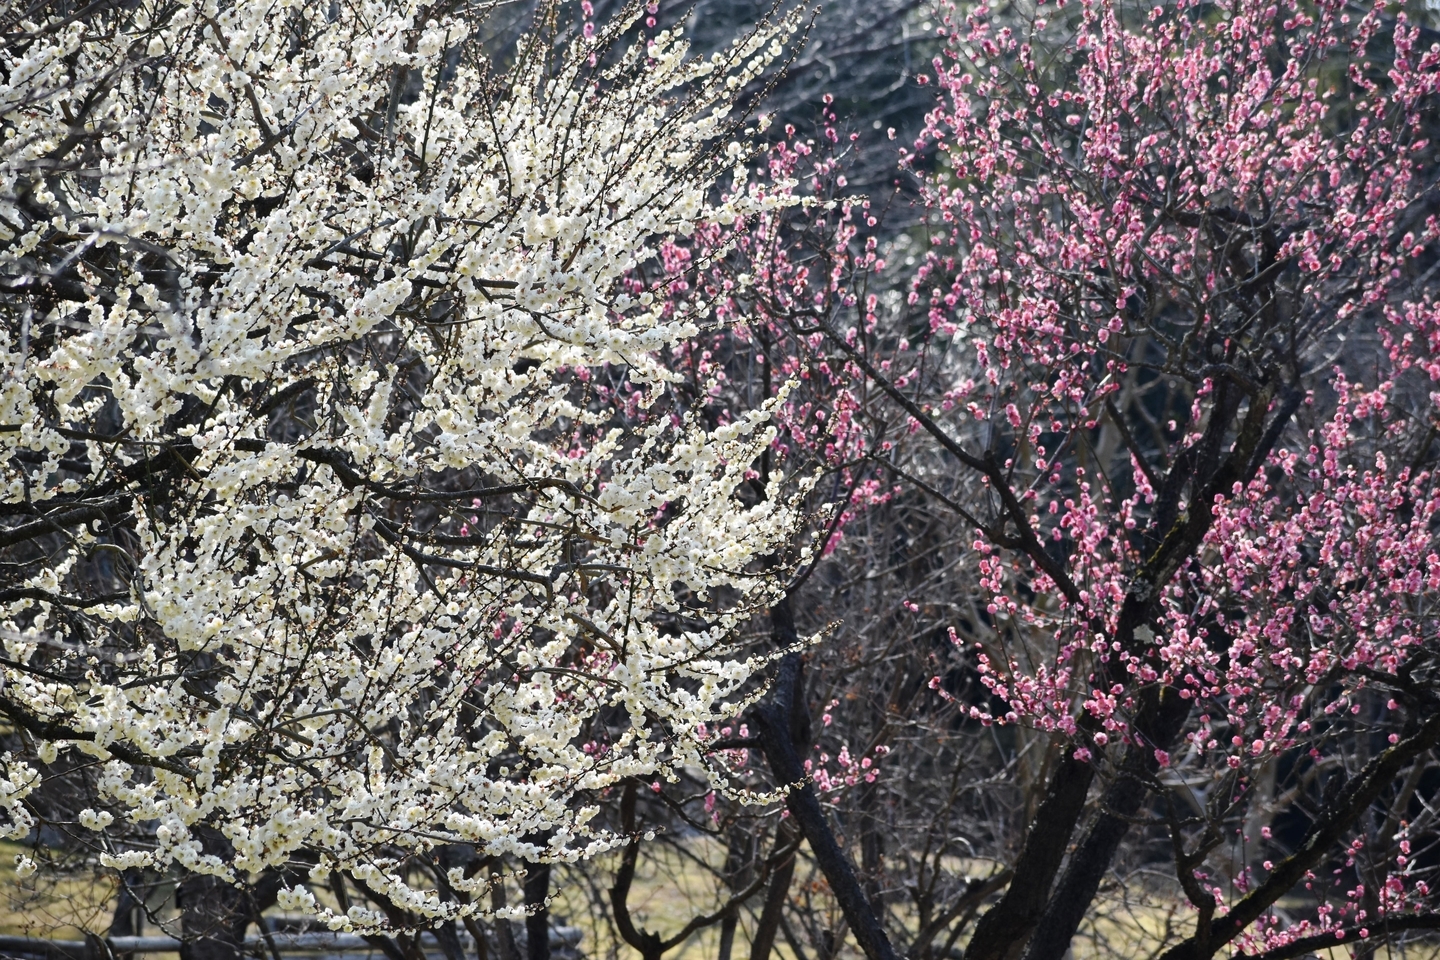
point(1111, 229)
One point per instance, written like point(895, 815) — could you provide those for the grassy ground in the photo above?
point(61, 905)
point(669, 889)
point(671, 886)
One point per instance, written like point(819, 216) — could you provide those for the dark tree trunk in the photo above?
point(504, 935)
point(739, 870)
point(213, 917)
point(213, 913)
point(537, 922)
point(872, 846)
point(1015, 916)
point(782, 724)
point(129, 917)
point(727, 935)
point(1165, 712)
point(771, 913)
point(449, 940)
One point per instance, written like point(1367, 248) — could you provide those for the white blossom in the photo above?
point(339, 551)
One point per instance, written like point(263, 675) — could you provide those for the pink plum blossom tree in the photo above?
point(1178, 337)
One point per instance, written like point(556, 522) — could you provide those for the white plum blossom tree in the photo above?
point(347, 515)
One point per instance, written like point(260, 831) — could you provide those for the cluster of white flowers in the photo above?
point(324, 541)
